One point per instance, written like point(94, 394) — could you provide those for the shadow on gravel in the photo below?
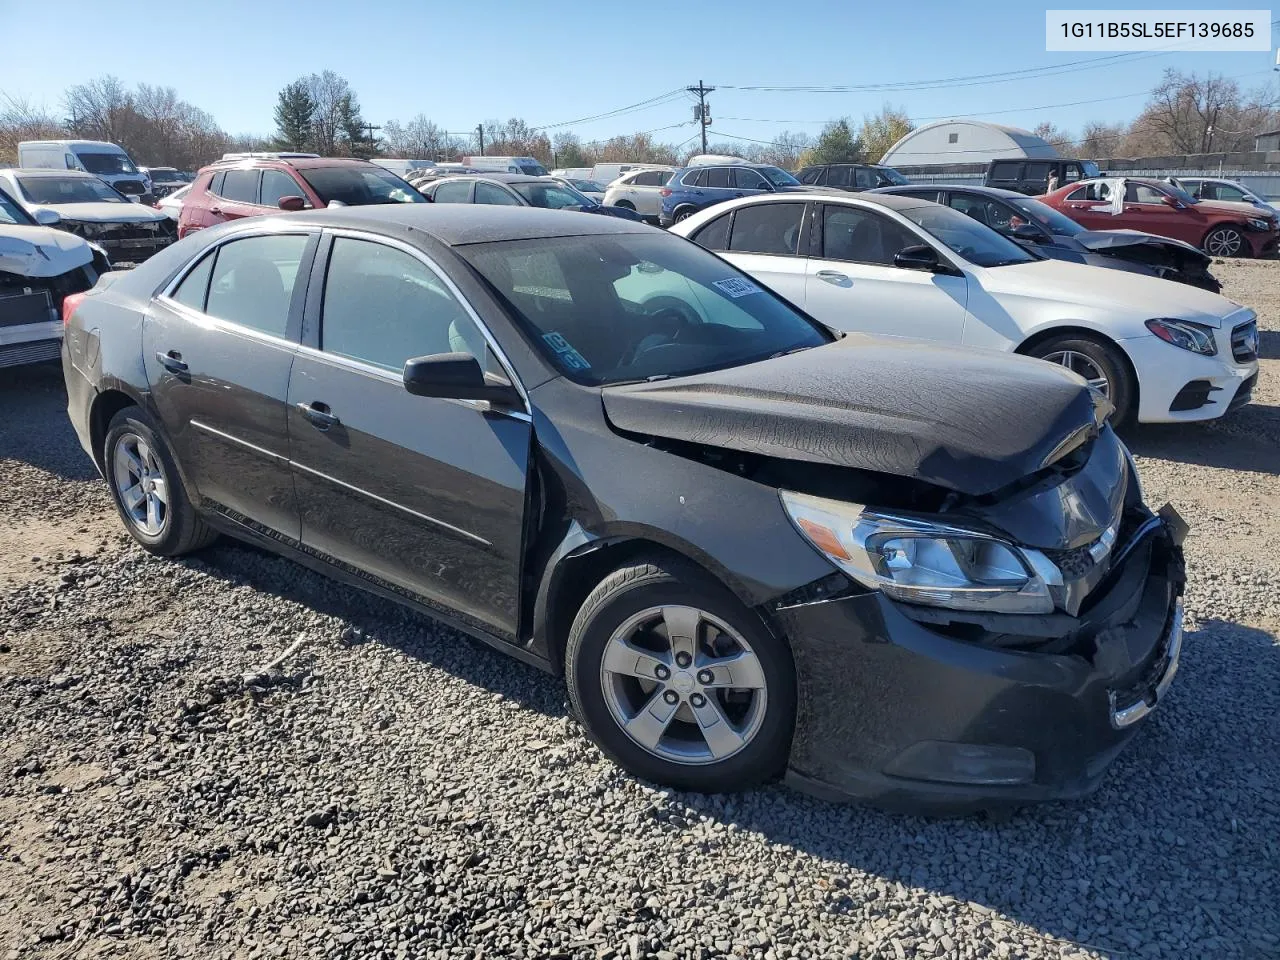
point(34, 427)
point(1268, 345)
point(1248, 439)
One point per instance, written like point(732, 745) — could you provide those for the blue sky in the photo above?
point(463, 63)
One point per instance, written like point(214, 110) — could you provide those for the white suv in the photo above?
point(639, 190)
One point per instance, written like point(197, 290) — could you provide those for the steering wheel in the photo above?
point(668, 313)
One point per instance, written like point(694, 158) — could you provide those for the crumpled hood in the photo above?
point(967, 420)
point(103, 212)
point(1101, 240)
point(40, 251)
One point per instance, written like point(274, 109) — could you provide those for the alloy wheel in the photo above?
point(1224, 242)
point(141, 485)
point(683, 684)
point(1082, 365)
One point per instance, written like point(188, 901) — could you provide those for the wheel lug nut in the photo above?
point(698, 700)
point(671, 696)
point(661, 672)
point(683, 659)
point(705, 677)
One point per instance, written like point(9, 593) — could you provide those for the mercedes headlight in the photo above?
point(921, 561)
point(1195, 337)
point(1260, 224)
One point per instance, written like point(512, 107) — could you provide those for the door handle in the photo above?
point(318, 413)
point(172, 361)
point(834, 277)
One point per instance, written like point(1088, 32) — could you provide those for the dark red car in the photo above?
point(1126, 203)
point(251, 185)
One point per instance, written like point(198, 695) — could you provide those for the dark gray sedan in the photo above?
point(915, 574)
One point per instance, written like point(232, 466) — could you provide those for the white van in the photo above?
point(527, 165)
point(572, 173)
point(402, 168)
point(606, 173)
point(107, 161)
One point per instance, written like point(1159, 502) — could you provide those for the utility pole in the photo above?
point(369, 128)
point(480, 131)
point(701, 114)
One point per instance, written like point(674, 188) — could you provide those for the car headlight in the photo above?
point(921, 561)
point(1261, 224)
point(1195, 337)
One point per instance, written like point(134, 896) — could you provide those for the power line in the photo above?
point(660, 99)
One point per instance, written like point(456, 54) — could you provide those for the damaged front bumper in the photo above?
point(938, 712)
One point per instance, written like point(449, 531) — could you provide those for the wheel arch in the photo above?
point(1245, 249)
point(106, 405)
point(1086, 333)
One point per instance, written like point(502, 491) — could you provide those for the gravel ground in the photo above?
point(392, 790)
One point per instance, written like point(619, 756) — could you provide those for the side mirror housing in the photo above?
point(48, 218)
point(291, 203)
point(1026, 231)
point(918, 256)
point(334, 204)
point(1173, 202)
point(456, 376)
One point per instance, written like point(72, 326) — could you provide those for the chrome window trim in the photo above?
point(265, 230)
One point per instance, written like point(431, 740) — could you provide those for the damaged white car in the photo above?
point(39, 267)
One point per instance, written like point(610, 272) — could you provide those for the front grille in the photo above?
point(1244, 342)
point(37, 351)
point(133, 188)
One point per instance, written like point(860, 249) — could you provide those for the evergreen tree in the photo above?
point(294, 110)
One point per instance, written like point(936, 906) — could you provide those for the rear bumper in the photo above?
point(902, 715)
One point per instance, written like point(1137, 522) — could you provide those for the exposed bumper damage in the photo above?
point(1165, 257)
point(38, 268)
point(126, 242)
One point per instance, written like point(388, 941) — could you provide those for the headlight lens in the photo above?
point(1260, 224)
point(1195, 337)
point(920, 561)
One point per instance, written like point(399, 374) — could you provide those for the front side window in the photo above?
point(277, 184)
point(383, 307)
point(1142, 193)
point(551, 196)
point(778, 177)
point(1047, 217)
point(890, 177)
point(841, 176)
point(1005, 170)
point(493, 194)
point(253, 279)
point(745, 178)
point(240, 186)
point(1037, 172)
point(625, 307)
point(455, 191)
point(194, 288)
point(108, 164)
point(11, 213)
point(1224, 191)
point(771, 228)
point(359, 186)
point(976, 243)
point(55, 190)
point(811, 175)
point(865, 178)
point(860, 236)
point(531, 168)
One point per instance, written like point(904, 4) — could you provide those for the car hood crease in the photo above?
point(41, 251)
point(967, 420)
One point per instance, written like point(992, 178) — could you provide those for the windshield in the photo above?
point(637, 306)
point(164, 175)
point(360, 186)
point(1047, 217)
point(80, 189)
point(779, 178)
point(974, 241)
point(532, 168)
point(890, 175)
point(108, 163)
point(553, 196)
point(11, 213)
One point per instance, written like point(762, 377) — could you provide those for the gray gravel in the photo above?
point(393, 790)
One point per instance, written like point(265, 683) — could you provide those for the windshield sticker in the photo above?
point(570, 357)
point(736, 287)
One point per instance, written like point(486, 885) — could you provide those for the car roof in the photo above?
point(33, 172)
point(998, 192)
point(509, 177)
point(463, 223)
point(299, 163)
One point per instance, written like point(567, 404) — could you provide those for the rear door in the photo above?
point(425, 494)
point(852, 283)
point(218, 347)
point(765, 241)
point(238, 196)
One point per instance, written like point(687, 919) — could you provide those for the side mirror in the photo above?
point(456, 376)
point(291, 203)
point(768, 187)
point(918, 256)
point(1173, 202)
point(1026, 231)
point(48, 218)
point(334, 204)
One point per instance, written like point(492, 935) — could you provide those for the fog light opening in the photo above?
point(967, 763)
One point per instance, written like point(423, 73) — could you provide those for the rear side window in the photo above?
point(240, 186)
point(1037, 172)
point(812, 175)
point(767, 228)
point(493, 194)
point(456, 192)
point(277, 184)
point(194, 287)
point(651, 178)
point(215, 185)
point(1005, 170)
point(695, 178)
point(253, 280)
point(716, 177)
point(715, 235)
point(839, 176)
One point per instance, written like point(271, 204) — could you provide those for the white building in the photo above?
point(965, 141)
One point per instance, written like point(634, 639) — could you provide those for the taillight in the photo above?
point(69, 304)
point(666, 191)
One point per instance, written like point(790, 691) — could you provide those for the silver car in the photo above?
point(639, 190)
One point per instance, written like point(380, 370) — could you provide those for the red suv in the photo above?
point(251, 185)
point(1127, 203)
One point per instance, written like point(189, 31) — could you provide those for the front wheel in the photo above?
point(1099, 363)
point(678, 682)
point(1226, 242)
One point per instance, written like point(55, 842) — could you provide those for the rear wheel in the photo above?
point(1225, 242)
point(678, 682)
point(626, 205)
point(684, 213)
point(147, 490)
point(1099, 363)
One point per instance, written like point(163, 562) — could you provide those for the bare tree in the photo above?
point(22, 120)
point(1188, 113)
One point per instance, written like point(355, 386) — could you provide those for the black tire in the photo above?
point(683, 213)
point(1108, 359)
point(181, 530)
point(1225, 241)
point(626, 205)
point(660, 581)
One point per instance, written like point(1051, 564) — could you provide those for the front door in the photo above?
point(1148, 209)
point(425, 494)
point(852, 284)
point(218, 349)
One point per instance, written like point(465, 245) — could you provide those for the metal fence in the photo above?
point(1265, 183)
